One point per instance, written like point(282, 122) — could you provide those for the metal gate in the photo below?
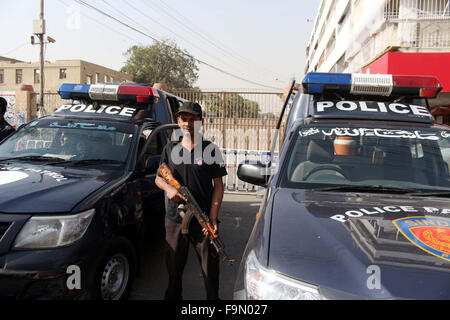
point(52, 101)
point(242, 123)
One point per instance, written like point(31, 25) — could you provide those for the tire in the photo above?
point(115, 273)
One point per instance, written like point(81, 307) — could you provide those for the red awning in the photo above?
point(410, 63)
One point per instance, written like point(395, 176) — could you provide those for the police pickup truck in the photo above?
point(74, 193)
point(359, 206)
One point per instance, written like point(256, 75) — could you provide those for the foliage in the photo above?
point(161, 62)
point(230, 105)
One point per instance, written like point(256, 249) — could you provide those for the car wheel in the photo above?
point(115, 273)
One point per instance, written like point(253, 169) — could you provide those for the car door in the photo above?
point(152, 196)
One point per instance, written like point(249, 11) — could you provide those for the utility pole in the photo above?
point(39, 31)
point(41, 38)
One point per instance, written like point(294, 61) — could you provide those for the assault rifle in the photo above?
point(192, 209)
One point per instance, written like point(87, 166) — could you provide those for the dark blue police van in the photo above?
point(359, 205)
point(76, 188)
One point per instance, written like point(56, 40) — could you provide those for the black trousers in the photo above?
point(177, 248)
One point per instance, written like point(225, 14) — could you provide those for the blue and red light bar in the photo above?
point(371, 84)
point(108, 92)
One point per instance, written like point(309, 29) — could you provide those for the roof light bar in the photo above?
point(318, 83)
point(137, 91)
point(74, 91)
point(108, 92)
point(367, 84)
point(371, 85)
point(423, 86)
point(104, 92)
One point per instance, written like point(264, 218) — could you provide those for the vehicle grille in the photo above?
point(3, 228)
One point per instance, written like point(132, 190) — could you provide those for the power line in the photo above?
point(109, 5)
point(210, 39)
point(107, 27)
point(189, 29)
point(154, 38)
point(176, 35)
point(15, 49)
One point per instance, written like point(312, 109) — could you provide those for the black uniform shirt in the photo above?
point(196, 172)
point(5, 129)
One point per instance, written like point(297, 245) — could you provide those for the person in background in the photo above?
point(161, 86)
point(5, 128)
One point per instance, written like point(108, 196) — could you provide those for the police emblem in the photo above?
point(428, 233)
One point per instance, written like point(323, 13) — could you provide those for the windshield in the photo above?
point(399, 157)
point(70, 141)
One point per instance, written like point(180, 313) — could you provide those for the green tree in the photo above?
point(161, 62)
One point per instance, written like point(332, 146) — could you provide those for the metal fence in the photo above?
point(233, 157)
point(242, 123)
point(238, 120)
point(52, 101)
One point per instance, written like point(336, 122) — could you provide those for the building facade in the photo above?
point(409, 37)
point(14, 74)
point(20, 84)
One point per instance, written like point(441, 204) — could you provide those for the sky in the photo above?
point(260, 41)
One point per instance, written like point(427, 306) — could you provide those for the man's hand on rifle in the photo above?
point(174, 195)
point(214, 225)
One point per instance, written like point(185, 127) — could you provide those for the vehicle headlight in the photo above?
point(265, 284)
point(52, 232)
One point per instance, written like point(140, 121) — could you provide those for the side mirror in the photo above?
point(254, 173)
point(152, 164)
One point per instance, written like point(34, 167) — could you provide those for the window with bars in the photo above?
point(37, 76)
point(63, 73)
point(19, 76)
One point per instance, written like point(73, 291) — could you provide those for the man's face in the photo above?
point(186, 121)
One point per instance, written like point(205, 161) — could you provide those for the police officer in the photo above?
point(5, 128)
point(197, 164)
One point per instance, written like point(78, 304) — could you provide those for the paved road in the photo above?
point(238, 217)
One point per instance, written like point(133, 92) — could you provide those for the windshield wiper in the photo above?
point(88, 162)
point(32, 158)
point(369, 188)
point(444, 194)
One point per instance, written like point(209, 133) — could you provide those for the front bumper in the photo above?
point(33, 285)
point(44, 274)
